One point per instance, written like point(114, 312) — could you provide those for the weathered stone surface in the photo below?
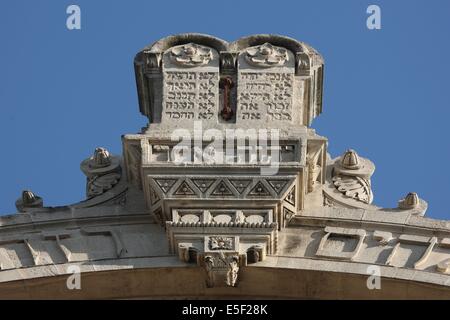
point(154, 227)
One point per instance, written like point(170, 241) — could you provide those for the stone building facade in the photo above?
point(228, 192)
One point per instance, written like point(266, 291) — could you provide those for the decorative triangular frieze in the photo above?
point(222, 190)
point(278, 185)
point(203, 184)
point(154, 197)
point(259, 190)
point(287, 214)
point(165, 184)
point(290, 198)
point(184, 190)
point(240, 184)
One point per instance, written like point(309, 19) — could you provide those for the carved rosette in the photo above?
point(221, 243)
point(266, 55)
point(191, 55)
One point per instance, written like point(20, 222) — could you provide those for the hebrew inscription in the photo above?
point(190, 93)
point(265, 93)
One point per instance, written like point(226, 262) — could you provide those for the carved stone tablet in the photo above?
point(190, 84)
point(265, 91)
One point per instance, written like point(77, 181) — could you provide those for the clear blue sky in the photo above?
point(62, 93)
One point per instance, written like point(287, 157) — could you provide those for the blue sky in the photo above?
point(62, 93)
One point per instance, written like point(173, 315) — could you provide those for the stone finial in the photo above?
point(101, 163)
point(28, 197)
point(29, 200)
point(102, 171)
point(411, 201)
point(350, 160)
point(101, 158)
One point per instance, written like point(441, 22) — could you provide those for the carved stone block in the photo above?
point(265, 92)
point(190, 85)
point(346, 234)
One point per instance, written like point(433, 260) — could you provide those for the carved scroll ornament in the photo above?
point(266, 55)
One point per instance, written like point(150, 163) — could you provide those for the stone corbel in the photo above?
point(188, 254)
point(222, 269)
point(255, 254)
point(221, 256)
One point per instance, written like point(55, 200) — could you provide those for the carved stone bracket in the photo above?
point(221, 266)
point(222, 269)
point(216, 240)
